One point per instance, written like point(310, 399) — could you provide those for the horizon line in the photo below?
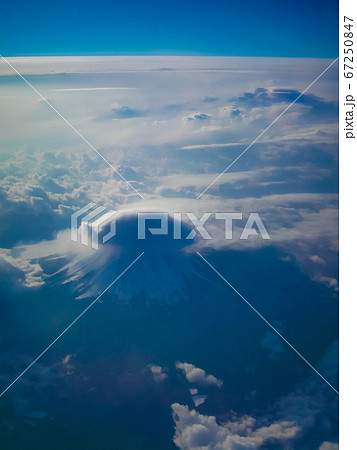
point(153, 54)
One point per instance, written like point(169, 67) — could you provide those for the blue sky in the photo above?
point(237, 28)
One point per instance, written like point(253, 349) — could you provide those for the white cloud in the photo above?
point(194, 431)
point(229, 111)
point(198, 376)
point(328, 281)
point(215, 145)
point(158, 373)
point(92, 89)
point(66, 365)
point(316, 259)
point(124, 112)
point(328, 446)
point(295, 414)
point(198, 400)
point(196, 116)
point(20, 272)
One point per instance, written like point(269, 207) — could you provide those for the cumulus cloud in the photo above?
point(198, 376)
point(295, 414)
point(194, 431)
point(158, 373)
point(263, 97)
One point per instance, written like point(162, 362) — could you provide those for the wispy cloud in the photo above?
point(93, 89)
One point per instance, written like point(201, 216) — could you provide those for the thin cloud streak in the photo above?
point(94, 89)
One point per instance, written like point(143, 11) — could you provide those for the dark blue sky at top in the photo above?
point(301, 28)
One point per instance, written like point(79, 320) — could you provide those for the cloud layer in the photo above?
point(195, 431)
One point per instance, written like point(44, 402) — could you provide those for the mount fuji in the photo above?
point(159, 276)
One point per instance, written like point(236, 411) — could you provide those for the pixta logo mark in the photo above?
point(90, 223)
